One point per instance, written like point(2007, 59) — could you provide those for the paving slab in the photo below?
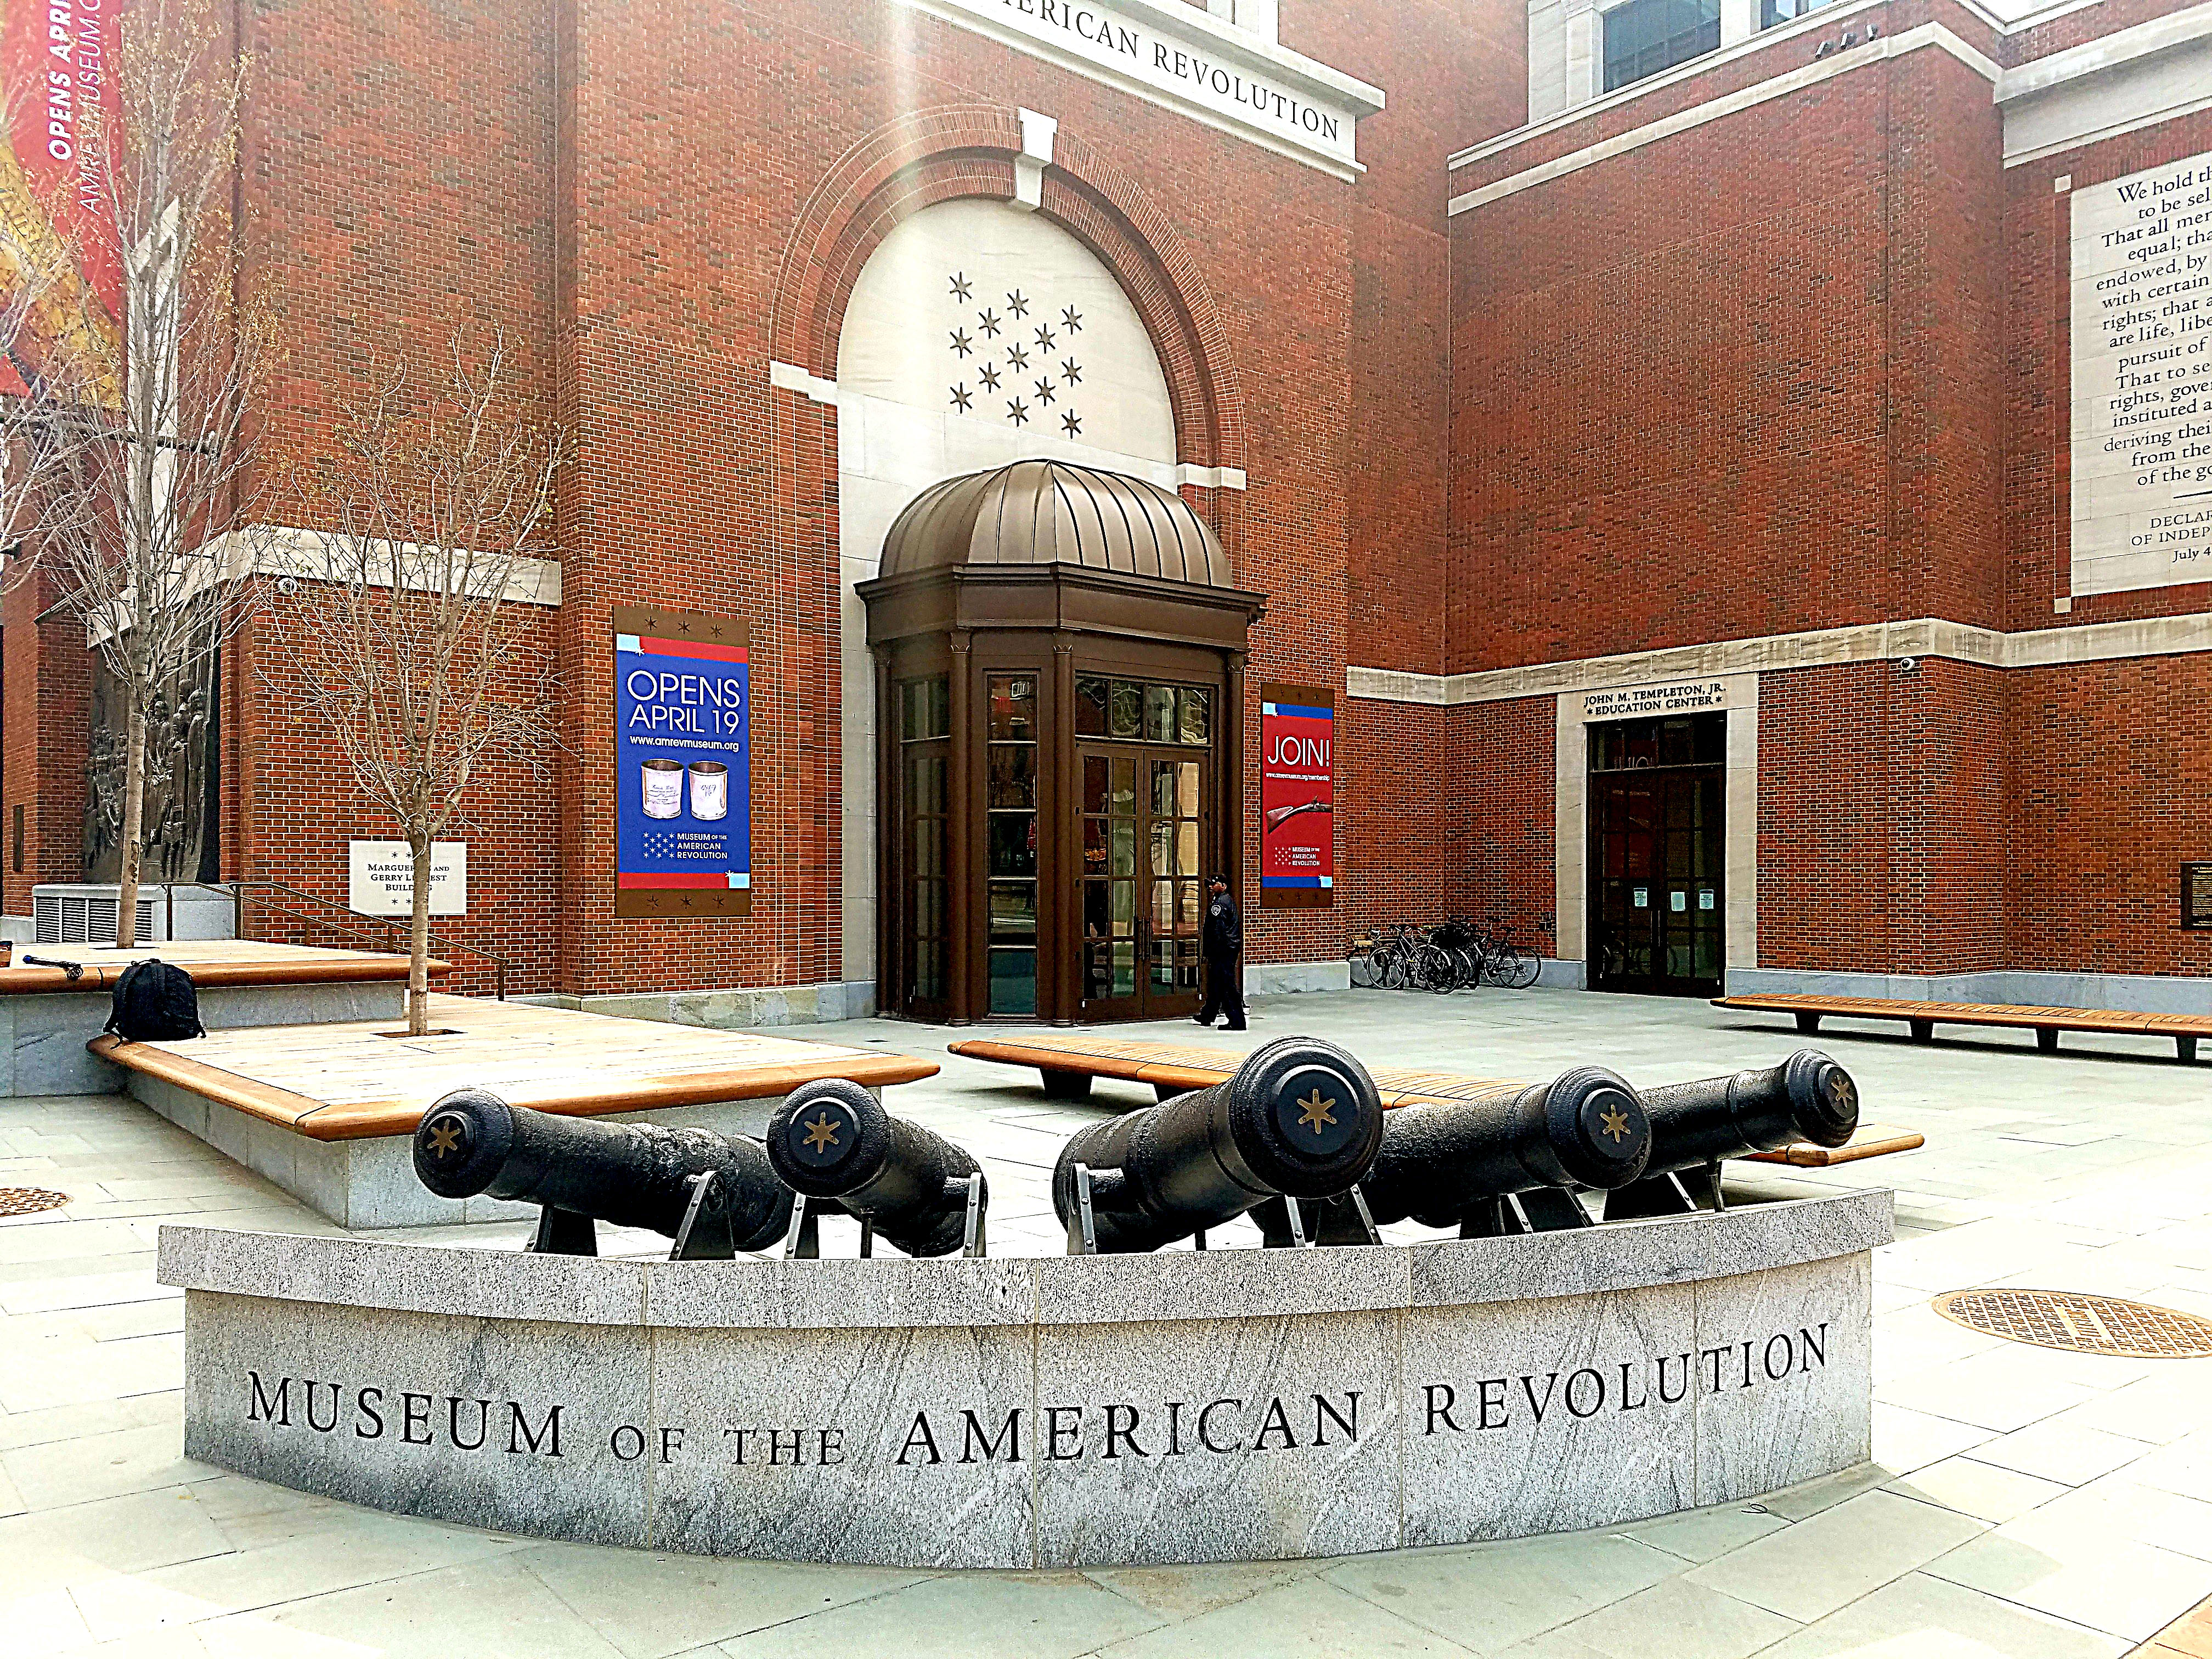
point(1942, 1545)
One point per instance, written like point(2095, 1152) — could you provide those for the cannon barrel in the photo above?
point(1807, 1098)
point(1586, 1127)
point(626, 1175)
point(832, 1140)
point(1300, 1118)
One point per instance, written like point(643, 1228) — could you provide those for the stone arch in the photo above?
point(949, 151)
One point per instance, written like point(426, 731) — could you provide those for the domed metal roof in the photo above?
point(1050, 512)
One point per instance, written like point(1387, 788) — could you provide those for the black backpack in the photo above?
point(156, 1002)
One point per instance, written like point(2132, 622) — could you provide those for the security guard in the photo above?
point(1222, 943)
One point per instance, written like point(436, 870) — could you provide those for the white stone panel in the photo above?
point(2142, 378)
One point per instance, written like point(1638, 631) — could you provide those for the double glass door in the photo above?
point(1657, 910)
point(1142, 812)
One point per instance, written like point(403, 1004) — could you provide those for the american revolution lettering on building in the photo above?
point(1191, 68)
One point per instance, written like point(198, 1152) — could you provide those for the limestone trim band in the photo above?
point(1927, 636)
point(2109, 51)
point(1781, 86)
point(1226, 77)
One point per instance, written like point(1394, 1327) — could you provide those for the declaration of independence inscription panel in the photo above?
point(2142, 378)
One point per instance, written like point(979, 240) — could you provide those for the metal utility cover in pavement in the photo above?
point(29, 1200)
point(2085, 1324)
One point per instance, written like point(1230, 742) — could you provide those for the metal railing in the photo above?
point(356, 925)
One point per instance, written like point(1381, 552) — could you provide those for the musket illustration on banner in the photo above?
point(1282, 814)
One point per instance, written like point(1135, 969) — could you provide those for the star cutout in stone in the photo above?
point(1315, 1112)
point(1615, 1125)
point(988, 322)
point(1017, 413)
point(1044, 337)
point(960, 342)
point(822, 1134)
point(1017, 357)
point(960, 399)
point(1072, 422)
point(1045, 393)
point(962, 288)
point(1073, 372)
point(1072, 321)
point(989, 375)
point(1017, 304)
point(445, 1137)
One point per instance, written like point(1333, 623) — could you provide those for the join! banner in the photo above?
point(683, 764)
point(1298, 796)
point(59, 58)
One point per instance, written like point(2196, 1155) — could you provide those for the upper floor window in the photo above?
point(1771, 12)
point(1645, 36)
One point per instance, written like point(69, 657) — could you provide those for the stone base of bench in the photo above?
point(371, 1183)
point(42, 1037)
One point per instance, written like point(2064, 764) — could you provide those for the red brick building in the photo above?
point(1682, 438)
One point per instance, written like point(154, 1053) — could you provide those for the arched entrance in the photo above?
point(1059, 653)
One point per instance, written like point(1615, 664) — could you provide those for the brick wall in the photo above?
point(2111, 792)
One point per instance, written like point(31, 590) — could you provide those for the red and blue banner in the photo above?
point(683, 764)
point(58, 58)
point(1298, 796)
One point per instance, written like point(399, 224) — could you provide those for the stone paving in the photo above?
point(2023, 1501)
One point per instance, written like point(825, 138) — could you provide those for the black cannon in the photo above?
point(1505, 1161)
point(1300, 1118)
point(834, 1145)
point(1695, 1125)
point(714, 1195)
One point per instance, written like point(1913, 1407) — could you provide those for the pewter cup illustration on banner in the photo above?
point(710, 790)
point(664, 789)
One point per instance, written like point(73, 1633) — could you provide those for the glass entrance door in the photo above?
point(1656, 903)
point(1144, 832)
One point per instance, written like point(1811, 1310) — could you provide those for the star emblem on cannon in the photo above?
point(1614, 1123)
point(822, 1134)
point(1315, 1112)
point(445, 1137)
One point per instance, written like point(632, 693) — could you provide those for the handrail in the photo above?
point(236, 890)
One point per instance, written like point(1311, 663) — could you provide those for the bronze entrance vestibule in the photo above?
point(1059, 660)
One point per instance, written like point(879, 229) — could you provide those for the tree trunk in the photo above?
point(134, 811)
point(418, 940)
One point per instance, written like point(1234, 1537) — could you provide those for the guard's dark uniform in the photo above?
point(1221, 941)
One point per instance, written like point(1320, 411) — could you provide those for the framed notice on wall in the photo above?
point(1298, 796)
point(683, 764)
point(2196, 895)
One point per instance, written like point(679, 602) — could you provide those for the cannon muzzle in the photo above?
point(832, 1140)
point(1440, 1159)
point(626, 1175)
point(1300, 1119)
point(1696, 1125)
point(1807, 1098)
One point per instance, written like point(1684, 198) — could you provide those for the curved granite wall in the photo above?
point(1053, 1412)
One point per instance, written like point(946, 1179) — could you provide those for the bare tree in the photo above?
point(433, 513)
point(147, 560)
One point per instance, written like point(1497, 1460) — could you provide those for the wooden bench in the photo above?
point(1069, 1064)
point(328, 1112)
point(1923, 1017)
